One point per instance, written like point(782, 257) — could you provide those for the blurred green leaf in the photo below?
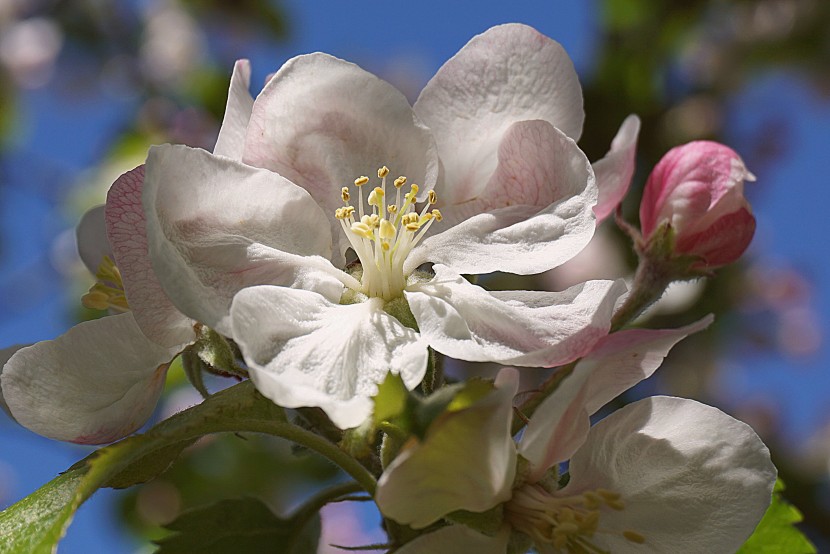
point(239, 525)
point(776, 533)
point(36, 524)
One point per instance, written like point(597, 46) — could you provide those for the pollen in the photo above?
point(568, 523)
point(382, 237)
point(108, 291)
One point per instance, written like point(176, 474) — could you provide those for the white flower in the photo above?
point(253, 242)
point(662, 474)
point(101, 380)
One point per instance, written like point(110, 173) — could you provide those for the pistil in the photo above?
point(564, 523)
point(384, 234)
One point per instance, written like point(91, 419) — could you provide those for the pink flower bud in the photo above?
point(698, 189)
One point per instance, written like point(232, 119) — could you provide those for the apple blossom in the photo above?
point(665, 474)
point(697, 189)
point(487, 177)
point(101, 380)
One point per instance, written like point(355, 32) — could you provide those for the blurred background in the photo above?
point(87, 85)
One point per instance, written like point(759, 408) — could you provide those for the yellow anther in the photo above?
point(424, 218)
point(634, 536)
point(376, 197)
point(95, 300)
point(432, 198)
point(437, 215)
point(608, 495)
point(360, 181)
point(392, 209)
point(566, 528)
point(344, 213)
point(400, 181)
point(413, 189)
point(387, 230)
point(344, 194)
point(618, 505)
point(383, 172)
point(592, 500)
point(362, 229)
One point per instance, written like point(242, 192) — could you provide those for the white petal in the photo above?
point(467, 461)
point(91, 238)
point(231, 141)
point(523, 328)
point(534, 214)
point(322, 122)
point(5, 355)
point(95, 384)
point(457, 539)
point(126, 227)
point(303, 350)
point(615, 170)
point(508, 74)
point(618, 362)
point(215, 226)
point(693, 479)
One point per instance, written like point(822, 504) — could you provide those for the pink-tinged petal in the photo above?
point(722, 242)
point(692, 186)
point(457, 539)
point(615, 170)
point(522, 328)
point(618, 362)
point(467, 461)
point(231, 141)
point(303, 350)
point(5, 355)
point(692, 479)
point(534, 214)
point(508, 74)
point(95, 384)
point(322, 122)
point(91, 239)
point(126, 228)
point(215, 226)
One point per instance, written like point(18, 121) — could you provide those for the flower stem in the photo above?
point(298, 435)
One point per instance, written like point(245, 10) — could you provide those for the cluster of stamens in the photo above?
point(108, 290)
point(381, 236)
point(564, 524)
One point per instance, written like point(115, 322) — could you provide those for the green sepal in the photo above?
point(217, 354)
point(488, 522)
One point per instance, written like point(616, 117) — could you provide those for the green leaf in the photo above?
point(776, 533)
point(240, 525)
point(36, 524)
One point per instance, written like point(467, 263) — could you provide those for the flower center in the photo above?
point(108, 290)
point(382, 235)
point(568, 523)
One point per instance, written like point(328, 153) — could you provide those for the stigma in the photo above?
point(383, 232)
point(108, 291)
point(565, 523)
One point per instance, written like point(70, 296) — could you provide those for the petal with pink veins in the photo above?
point(322, 122)
point(215, 226)
point(615, 170)
point(231, 141)
point(509, 73)
point(126, 228)
point(533, 215)
point(619, 361)
point(524, 328)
